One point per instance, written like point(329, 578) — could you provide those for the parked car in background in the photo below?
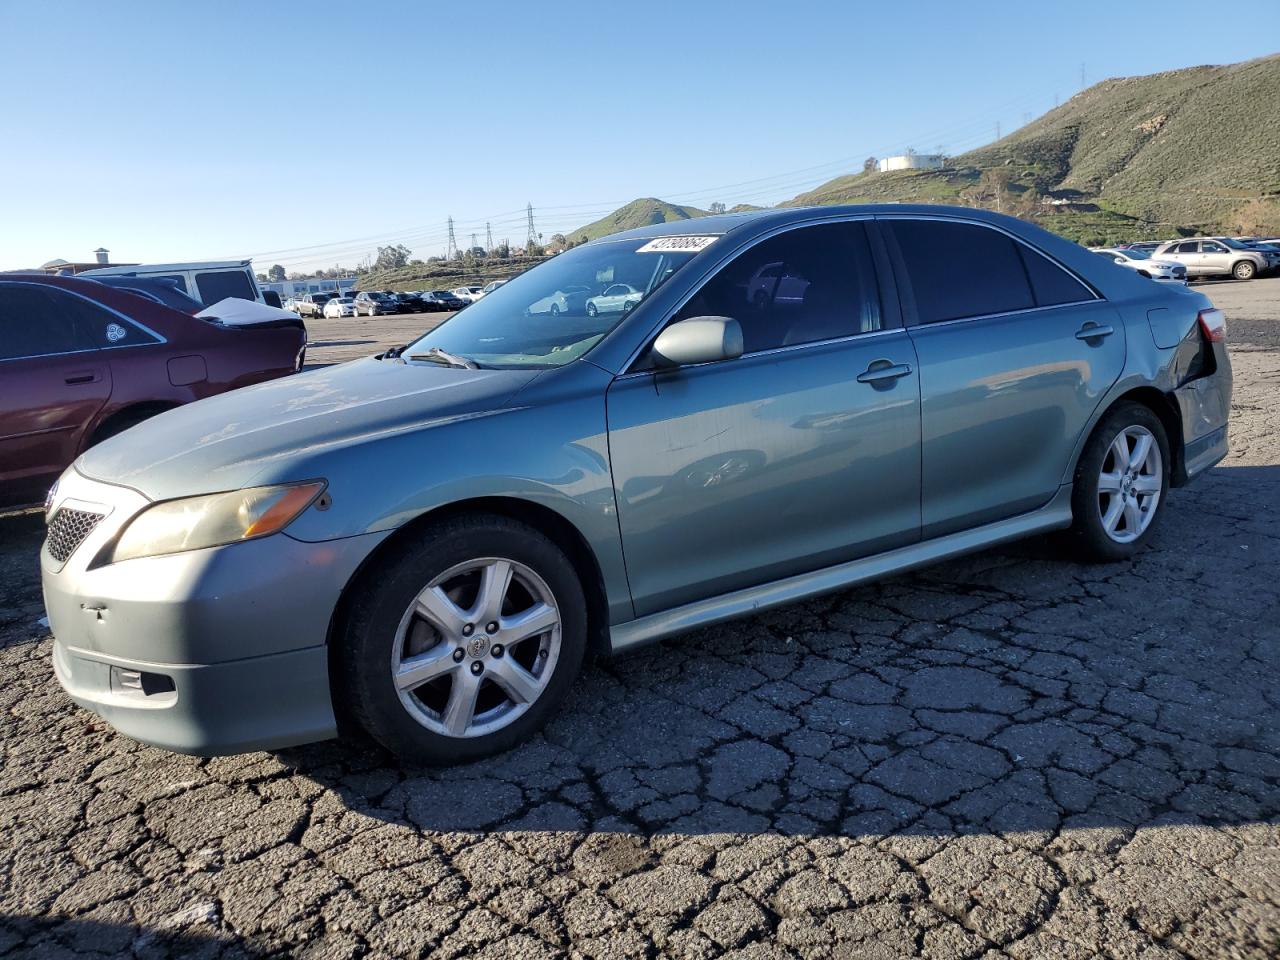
point(571, 300)
point(427, 543)
point(206, 281)
point(375, 303)
point(410, 302)
point(1148, 246)
point(1215, 257)
point(82, 360)
point(444, 300)
point(617, 298)
point(1143, 263)
point(491, 286)
point(312, 304)
point(337, 307)
point(154, 288)
point(468, 294)
point(1269, 250)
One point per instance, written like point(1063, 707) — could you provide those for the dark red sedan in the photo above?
point(81, 361)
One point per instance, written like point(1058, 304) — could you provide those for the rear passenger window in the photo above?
point(31, 325)
point(1050, 283)
point(805, 285)
point(220, 284)
point(959, 270)
point(106, 328)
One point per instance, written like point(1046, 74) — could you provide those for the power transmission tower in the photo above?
point(997, 129)
point(531, 240)
point(1082, 83)
point(488, 238)
point(452, 247)
point(473, 242)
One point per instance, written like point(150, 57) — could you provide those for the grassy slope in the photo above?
point(637, 213)
point(1176, 151)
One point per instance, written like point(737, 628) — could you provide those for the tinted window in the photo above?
point(105, 328)
point(1189, 247)
point(960, 270)
point(814, 283)
point(1050, 283)
point(32, 326)
point(220, 284)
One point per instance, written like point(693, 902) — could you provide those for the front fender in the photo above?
point(549, 447)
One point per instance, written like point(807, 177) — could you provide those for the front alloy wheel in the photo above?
point(476, 647)
point(460, 640)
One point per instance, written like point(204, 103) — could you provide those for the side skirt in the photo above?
point(1054, 515)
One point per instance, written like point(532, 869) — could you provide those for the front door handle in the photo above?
point(82, 376)
point(1093, 331)
point(882, 370)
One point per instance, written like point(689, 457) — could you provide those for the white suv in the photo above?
point(1214, 257)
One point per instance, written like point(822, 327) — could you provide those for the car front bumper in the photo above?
point(213, 651)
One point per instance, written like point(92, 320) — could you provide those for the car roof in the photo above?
point(727, 223)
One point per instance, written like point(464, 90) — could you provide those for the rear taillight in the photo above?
point(1214, 325)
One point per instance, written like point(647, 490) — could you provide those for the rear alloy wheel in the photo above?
point(1244, 270)
point(1120, 484)
point(591, 309)
point(464, 642)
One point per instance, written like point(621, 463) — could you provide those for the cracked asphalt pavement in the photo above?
point(1005, 755)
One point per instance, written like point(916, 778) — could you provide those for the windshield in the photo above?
point(1133, 254)
point(1233, 244)
point(551, 315)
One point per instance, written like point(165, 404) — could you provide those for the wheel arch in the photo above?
point(1163, 406)
point(133, 413)
point(545, 520)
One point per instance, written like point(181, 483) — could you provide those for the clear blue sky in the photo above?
point(308, 133)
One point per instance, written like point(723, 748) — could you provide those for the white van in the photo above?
point(207, 282)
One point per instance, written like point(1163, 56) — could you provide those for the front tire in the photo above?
point(1244, 270)
point(1121, 483)
point(462, 642)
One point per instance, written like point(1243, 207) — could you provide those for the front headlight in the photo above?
point(213, 520)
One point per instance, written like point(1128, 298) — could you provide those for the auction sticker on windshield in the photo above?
point(677, 244)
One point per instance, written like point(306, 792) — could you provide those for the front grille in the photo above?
point(67, 531)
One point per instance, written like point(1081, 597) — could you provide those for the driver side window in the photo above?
point(805, 285)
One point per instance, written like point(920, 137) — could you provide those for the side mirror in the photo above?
point(698, 340)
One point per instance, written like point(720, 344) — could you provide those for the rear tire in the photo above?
point(1121, 483)
point(1244, 270)
point(427, 608)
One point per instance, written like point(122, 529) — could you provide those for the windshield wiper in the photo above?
point(436, 355)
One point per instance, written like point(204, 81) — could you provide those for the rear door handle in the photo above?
point(1093, 331)
point(84, 376)
point(884, 370)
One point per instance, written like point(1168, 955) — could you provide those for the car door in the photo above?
point(55, 382)
point(801, 453)
point(1015, 354)
point(1215, 258)
point(1188, 254)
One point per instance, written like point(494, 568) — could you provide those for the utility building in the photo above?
point(911, 161)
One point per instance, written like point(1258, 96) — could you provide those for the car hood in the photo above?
point(276, 431)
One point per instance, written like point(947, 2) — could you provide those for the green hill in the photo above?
point(637, 213)
point(1182, 151)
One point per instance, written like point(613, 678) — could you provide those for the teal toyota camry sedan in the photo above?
point(426, 543)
